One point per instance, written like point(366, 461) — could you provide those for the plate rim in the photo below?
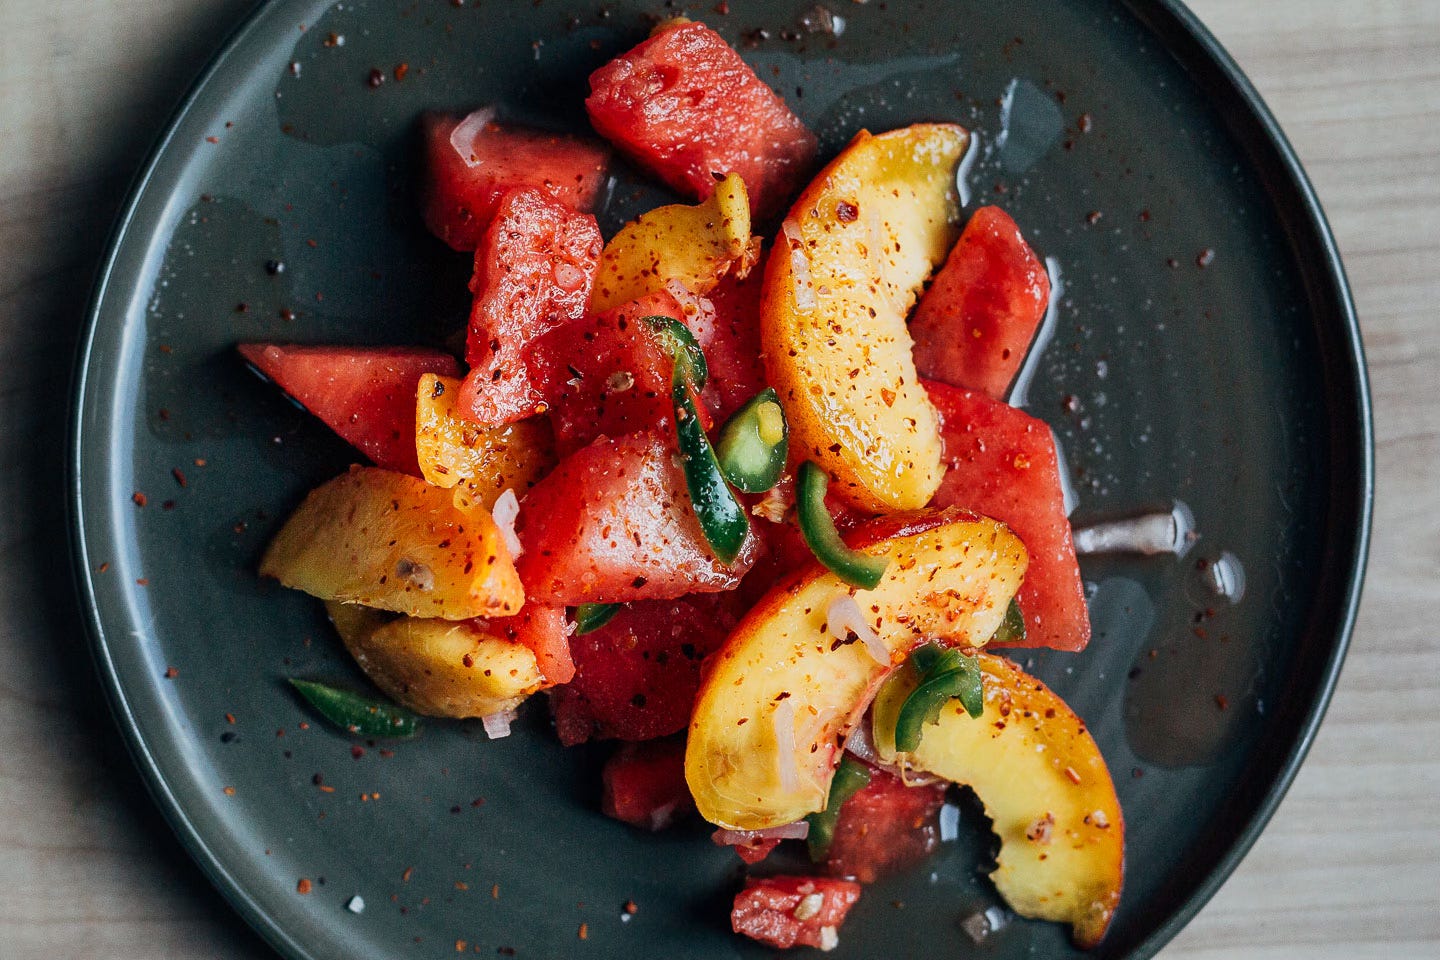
point(1170, 22)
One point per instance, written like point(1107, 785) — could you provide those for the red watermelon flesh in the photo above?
point(974, 325)
point(462, 192)
point(686, 107)
point(533, 274)
point(365, 394)
point(644, 784)
point(1003, 464)
point(637, 676)
point(613, 522)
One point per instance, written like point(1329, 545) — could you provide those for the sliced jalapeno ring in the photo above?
point(925, 702)
point(593, 616)
point(850, 778)
point(682, 346)
point(754, 443)
point(357, 714)
point(818, 528)
point(722, 517)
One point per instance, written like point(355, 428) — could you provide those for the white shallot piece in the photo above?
point(497, 725)
point(1169, 532)
point(798, 830)
point(505, 512)
point(799, 265)
point(784, 720)
point(861, 746)
point(843, 617)
point(462, 138)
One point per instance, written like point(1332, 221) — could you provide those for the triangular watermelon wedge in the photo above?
point(365, 394)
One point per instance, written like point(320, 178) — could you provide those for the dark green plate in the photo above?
point(1134, 146)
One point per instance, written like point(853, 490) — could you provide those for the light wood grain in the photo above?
point(1348, 870)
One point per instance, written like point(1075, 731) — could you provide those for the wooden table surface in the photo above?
point(1349, 868)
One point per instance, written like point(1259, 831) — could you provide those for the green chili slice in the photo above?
point(754, 443)
point(850, 778)
point(1012, 628)
point(945, 675)
point(357, 714)
point(818, 528)
point(722, 517)
point(593, 616)
point(682, 346)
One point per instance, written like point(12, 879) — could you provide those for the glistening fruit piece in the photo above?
point(1044, 785)
point(440, 668)
point(780, 698)
point(489, 460)
point(394, 542)
point(852, 257)
point(692, 245)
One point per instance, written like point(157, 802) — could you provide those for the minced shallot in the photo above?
point(462, 138)
point(497, 725)
point(505, 512)
point(843, 617)
point(798, 830)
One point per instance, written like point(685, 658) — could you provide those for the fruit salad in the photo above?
point(736, 488)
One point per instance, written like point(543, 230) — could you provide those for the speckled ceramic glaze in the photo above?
point(1131, 147)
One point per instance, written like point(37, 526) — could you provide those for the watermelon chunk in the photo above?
point(365, 394)
point(613, 522)
point(1003, 464)
point(644, 784)
point(885, 827)
point(974, 325)
point(734, 353)
point(684, 106)
point(636, 677)
point(610, 375)
point(462, 192)
point(766, 910)
point(533, 274)
point(545, 631)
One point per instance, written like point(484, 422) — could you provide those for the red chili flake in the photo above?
point(460, 946)
point(1093, 217)
point(405, 877)
point(140, 499)
point(105, 566)
point(229, 791)
point(401, 70)
point(1145, 216)
point(1204, 258)
point(287, 314)
point(242, 307)
point(143, 582)
point(168, 505)
point(1071, 775)
point(334, 40)
point(166, 348)
point(631, 907)
point(311, 243)
point(722, 8)
point(163, 414)
point(171, 673)
point(1087, 123)
point(495, 892)
point(230, 718)
point(461, 885)
point(478, 802)
point(387, 754)
point(1172, 263)
point(212, 139)
point(584, 932)
point(1222, 701)
point(356, 752)
point(847, 212)
point(303, 887)
point(304, 725)
point(375, 78)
